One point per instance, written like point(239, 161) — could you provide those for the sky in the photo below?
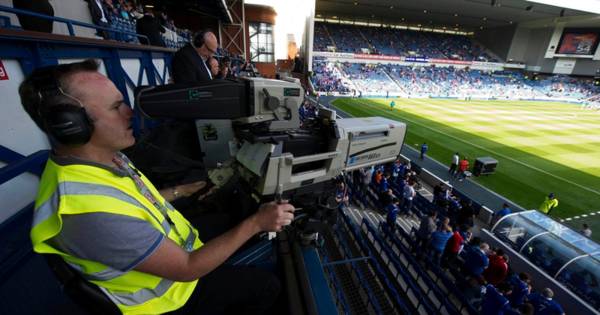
point(291, 16)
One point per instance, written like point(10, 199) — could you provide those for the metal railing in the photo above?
point(68, 22)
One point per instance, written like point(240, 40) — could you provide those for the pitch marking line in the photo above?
point(499, 154)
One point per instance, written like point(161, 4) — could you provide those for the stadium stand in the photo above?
point(398, 42)
point(121, 26)
point(448, 81)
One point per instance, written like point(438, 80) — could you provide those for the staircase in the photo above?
point(329, 35)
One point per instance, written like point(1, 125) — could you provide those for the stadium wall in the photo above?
point(497, 39)
point(529, 45)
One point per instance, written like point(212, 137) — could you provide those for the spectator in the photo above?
point(497, 269)
point(32, 23)
point(463, 167)
point(377, 177)
point(495, 301)
point(502, 212)
point(225, 71)
point(189, 63)
point(150, 27)
point(426, 228)
point(384, 184)
point(408, 195)
point(366, 178)
point(392, 213)
point(341, 194)
point(438, 242)
point(396, 171)
point(586, 231)
point(213, 65)
point(386, 198)
point(100, 17)
point(455, 245)
point(424, 148)
point(544, 304)
point(549, 204)
point(466, 214)
point(521, 289)
point(453, 164)
point(476, 259)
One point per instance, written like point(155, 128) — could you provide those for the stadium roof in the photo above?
point(467, 15)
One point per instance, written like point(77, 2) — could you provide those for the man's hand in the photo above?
point(187, 190)
point(272, 216)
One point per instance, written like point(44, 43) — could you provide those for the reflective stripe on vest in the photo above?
point(66, 189)
point(50, 207)
point(139, 296)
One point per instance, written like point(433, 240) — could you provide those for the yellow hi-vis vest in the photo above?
point(548, 204)
point(80, 189)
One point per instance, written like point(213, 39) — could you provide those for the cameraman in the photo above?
point(107, 220)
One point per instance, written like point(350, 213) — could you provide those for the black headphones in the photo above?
point(63, 116)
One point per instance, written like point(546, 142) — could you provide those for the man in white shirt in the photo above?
point(454, 164)
point(408, 195)
point(586, 231)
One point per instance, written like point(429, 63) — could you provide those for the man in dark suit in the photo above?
point(32, 23)
point(189, 63)
point(100, 17)
point(151, 28)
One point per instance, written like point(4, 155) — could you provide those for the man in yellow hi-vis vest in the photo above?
point(108, 221)
point(550, 202)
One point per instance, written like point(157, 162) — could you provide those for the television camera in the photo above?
point(252, 126)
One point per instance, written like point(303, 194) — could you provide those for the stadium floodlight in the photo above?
point(591, 6)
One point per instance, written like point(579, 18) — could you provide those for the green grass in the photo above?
point(541, 147)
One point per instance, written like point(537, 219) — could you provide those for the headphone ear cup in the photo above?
point(68, 124)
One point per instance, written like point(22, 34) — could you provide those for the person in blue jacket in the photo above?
point(495, 301)
point(476, 259)
point(424, 148)
point(521, 289)
point(392, 213)
point(544, 304)
point(438, 242)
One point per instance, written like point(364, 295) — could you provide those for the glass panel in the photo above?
point(252, 28)
point(544, 221)
point(516, 231)
point(549, 253)
point(582, 278)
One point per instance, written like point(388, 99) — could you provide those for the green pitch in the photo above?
point(541, 147)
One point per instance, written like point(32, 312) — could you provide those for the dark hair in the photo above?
point(524, 276)
point(30, 88)
point(200, 37)
point(504, 287)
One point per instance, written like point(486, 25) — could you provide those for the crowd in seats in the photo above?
point(483, 273)
point(368, 77)
point(125, 16)
point(398, 42)
point(326, 78)
point(437, 81)
point(347, 39)
point(321, 38)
